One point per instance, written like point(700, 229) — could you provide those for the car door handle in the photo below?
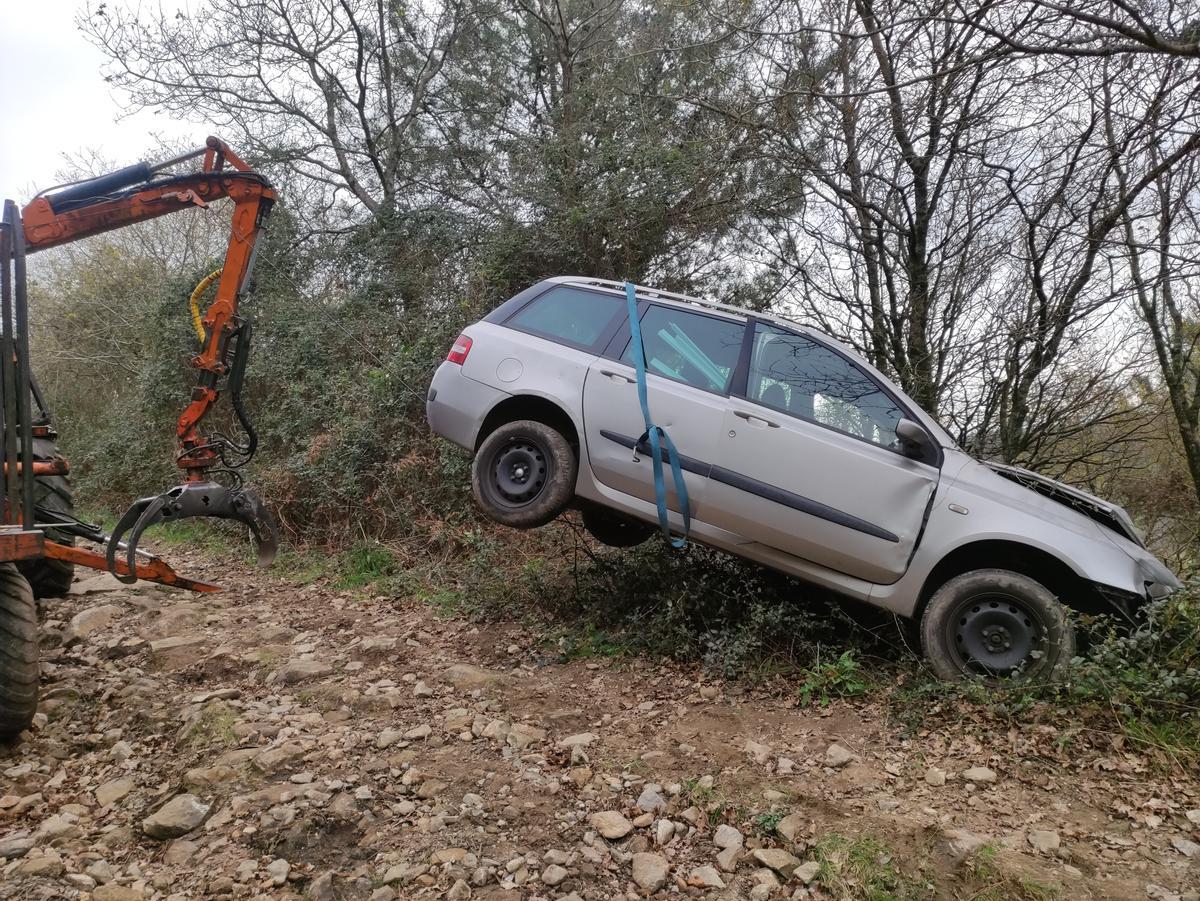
point(756, 420)
point(617, 376)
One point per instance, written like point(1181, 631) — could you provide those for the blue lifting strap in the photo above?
point(654, 433)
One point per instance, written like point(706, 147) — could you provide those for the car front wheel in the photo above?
point(996, 626)
point(524, 474)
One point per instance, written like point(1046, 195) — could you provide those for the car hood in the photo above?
point(1094, 508)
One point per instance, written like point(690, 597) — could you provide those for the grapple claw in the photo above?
point(146, 508)
point(188, 500)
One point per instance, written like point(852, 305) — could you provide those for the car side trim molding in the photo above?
point(761, 489)
point(800, 502)
point(687, 464)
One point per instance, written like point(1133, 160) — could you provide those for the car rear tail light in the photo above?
point(458, 353)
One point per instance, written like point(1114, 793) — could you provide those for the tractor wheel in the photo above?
point(50, 578)
point(18, 653)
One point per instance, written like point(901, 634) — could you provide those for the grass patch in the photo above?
point(301, 567)
point(587, 642)
point(446, 603)
point(988, 881)
point(1176, 737)
point(201, 533)
point(320, 700)
point(212, 728)
point(1032, 890)
point(983, 866)
point(768, 822)
point(489, 576)
point(864, 869)
point(708, 799)
point(365, 564)
point(268, 654)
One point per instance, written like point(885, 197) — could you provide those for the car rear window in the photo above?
point(698, 350)
point(573, 316)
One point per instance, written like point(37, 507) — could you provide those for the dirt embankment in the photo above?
point(278, 741)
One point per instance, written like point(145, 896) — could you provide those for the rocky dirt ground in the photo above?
point(280, 740)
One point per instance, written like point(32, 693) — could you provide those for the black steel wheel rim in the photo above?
point(519, 472)
point(996, 634)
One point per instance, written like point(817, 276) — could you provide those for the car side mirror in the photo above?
point(914, 440)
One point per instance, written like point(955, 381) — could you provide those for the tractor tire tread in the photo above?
point(47, 577)
point(19, 671)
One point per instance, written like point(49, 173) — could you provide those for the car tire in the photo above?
point(615, 530)
point(996, 626)
point(523, 474)
point(18, 653)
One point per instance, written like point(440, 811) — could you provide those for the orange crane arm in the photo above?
point(138, 193)
point(104, 204)
point(101, 204)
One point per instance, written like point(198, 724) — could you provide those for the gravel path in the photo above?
point(280, 740)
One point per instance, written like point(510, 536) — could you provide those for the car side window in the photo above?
point(796, 375)
point(571, 315)
point(698, 350)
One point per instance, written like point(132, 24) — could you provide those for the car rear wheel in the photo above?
point(523, 475)
point(996, 626)
point(615, 530)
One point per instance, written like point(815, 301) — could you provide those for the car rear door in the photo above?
point(808, 461)
point(690, 361)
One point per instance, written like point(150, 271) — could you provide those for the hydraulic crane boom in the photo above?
point(136, 194)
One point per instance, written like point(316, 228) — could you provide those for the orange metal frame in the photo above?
point(21, 544)
point(57, 467)
point(154, 569)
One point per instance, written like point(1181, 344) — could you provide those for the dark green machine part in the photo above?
point(15, 381)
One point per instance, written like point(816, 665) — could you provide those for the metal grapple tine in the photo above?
point(247, 508)
point(134, 516)
point(153, 514)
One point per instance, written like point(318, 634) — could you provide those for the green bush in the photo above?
point(1149, 678)
point(704, 605)
point(842, 678)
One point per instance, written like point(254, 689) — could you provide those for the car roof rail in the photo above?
point(644, 291)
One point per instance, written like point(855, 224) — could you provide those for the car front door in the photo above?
point(690, 362)
point(809, 463)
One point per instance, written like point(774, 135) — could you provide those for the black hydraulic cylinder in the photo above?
point(96, 189)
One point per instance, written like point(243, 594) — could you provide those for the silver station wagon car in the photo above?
point(795, 453)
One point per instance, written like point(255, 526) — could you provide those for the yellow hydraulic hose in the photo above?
point(197, 321)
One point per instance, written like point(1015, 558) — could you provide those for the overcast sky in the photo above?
point(54, 101)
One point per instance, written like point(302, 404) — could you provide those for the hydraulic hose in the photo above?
point(194, 301)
